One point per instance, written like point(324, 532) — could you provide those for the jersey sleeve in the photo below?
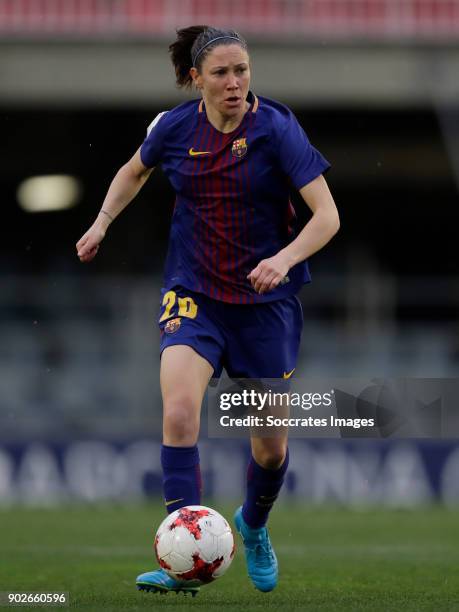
point(298, 158)
point(152, 147)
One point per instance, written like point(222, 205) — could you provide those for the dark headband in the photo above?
point(196, 55)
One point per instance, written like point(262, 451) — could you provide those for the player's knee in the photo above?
point(181, 421)
point(179, 432)
point(271, 458)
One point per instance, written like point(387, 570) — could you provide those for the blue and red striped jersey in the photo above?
point(232, 195)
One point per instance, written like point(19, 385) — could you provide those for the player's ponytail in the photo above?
point(180, 51)
point(192, 46)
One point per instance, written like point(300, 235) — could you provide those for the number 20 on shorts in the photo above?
point(186, 306)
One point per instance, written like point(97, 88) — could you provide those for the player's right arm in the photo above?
point(125, 186)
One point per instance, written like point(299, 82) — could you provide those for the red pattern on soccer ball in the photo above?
point(189, 519)
point(155, 548)
point(201, 570)
point(163, 564)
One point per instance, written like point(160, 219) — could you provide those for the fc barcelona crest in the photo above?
point(172, 325)
point(239, 148)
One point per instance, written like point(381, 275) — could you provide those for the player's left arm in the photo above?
point(319, 230)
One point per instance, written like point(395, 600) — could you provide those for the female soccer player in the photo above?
point(233, 267)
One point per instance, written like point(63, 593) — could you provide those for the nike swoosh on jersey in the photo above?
point(193, 153)
point(288, 374)
point(173, 501)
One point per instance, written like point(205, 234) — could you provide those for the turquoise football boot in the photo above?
point(259, 554)
point(160, 582)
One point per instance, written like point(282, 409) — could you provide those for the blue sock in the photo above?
point(181, 476)
point(263, 487)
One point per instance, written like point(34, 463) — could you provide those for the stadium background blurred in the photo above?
point(374, 83)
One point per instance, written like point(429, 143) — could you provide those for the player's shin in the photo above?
point(263, 486)
point(181, 476)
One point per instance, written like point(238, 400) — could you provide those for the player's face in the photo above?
point(225, 79)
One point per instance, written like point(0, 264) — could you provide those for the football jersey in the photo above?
point(232, 204)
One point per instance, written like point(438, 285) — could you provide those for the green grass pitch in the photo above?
point(330, 559)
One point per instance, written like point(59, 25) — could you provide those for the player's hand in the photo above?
point(269, 273)
point(88, 245)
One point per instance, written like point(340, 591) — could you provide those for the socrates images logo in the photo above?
point(172, 325)
point(239, 148)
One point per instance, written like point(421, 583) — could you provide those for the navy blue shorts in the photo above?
point(248, 340)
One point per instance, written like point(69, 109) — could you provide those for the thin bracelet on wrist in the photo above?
point(108, 215)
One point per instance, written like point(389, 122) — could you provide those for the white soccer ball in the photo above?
point(195, 544)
